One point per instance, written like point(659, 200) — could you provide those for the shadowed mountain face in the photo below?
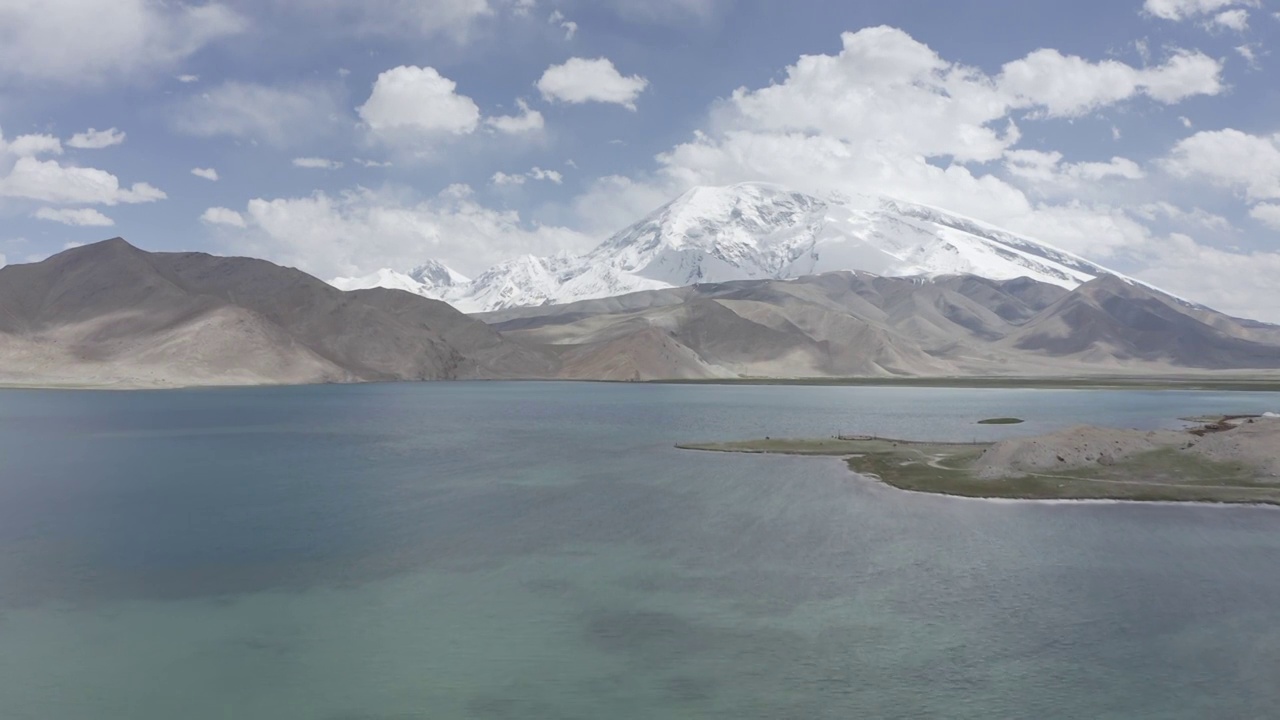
point(110, 313)
point(858, 324)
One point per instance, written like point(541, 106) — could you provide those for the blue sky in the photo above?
point(348, 135)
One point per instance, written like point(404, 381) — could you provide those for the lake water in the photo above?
point(540, 550)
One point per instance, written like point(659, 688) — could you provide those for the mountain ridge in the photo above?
point(112, 315)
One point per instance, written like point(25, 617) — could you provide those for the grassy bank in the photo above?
point(947, 469)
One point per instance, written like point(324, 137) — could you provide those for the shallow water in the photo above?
point(539, 550)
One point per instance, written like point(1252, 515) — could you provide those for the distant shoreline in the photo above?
point(1109, 382)
point(1102, 382)
point(1232, 460)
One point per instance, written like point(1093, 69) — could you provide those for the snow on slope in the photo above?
point(753, 231)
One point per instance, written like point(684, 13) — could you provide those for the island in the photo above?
point(1221, 459)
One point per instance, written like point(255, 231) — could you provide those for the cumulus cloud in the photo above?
point(887, 115)
point(528, 121)
point(223, 216)
point(317, 163)
point(93, 42)
point(1186, 9)
point(314, 232)
point(537, 173)
point(30, 145)
point(250, 111)
point(1229, 158)
point(1238, 283)
point(82, 217)
point(1267, 214)
point(887, 90)
point(206, 173)
point(1237, 19)
point(581, 80)
point(417, 108)
point(1048, 167)
point(418, 100)
point(1070, 86)
point(49, 181)
point(1196, 218)
point(570, 27)
point(92, 139)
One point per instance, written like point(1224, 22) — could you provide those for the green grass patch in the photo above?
point(946, 469)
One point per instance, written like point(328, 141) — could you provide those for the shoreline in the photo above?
point(1232, 461)
point(1099, 383)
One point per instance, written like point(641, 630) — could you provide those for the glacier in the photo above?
point(751, 231)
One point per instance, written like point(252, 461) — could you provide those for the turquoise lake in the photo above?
point(541, 550)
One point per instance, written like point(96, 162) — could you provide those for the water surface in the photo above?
point(539, 550)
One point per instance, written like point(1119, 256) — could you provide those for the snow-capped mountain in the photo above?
point(432, 279)
point(752, 231)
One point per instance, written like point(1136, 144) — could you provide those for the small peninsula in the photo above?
point(1225, 459)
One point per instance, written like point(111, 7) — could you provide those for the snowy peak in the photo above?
point(716, 234)
point(435, 274)
point(754, 231)
point(384, 278)
point(716, 218)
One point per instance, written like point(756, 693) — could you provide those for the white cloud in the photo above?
point(1047, 167)
point(1229, 158)
point(537, 173)
point(188, 78)
point(317, 163)
point(570, 27)
point(500, 178)
point(581, 80)
point(887, 115)
point(1240, 284)
point(1186, 121)
point(206, 173)
point(314, 233)
point(48, 181)
point(93, 139)
point(1268, 214)
point(275, 115)
point(1237, 19)
point(372, 163)
point(887, 91)
point(92, 42)
point(82, 217)
point(1186, 9)
point(1193, 218)
point(30, 145)
point(223, 216)
point(1070, 86)
point(418, 100)
point(1249, 52)
point(528, 121)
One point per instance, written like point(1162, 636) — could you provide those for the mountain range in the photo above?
point(856, 324)
point(749, 281)
point(750, 231)
point(111, 314)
